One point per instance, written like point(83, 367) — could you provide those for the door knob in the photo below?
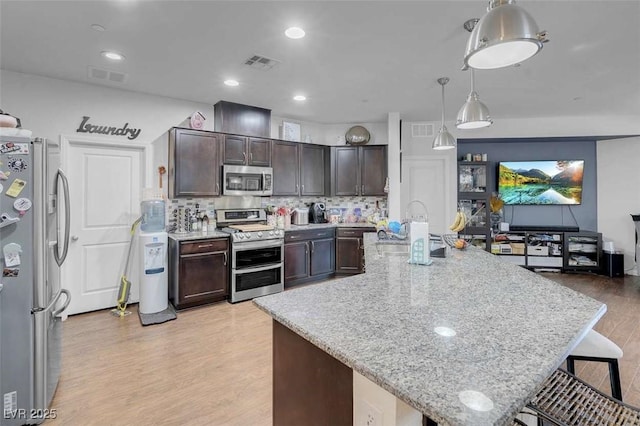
point(74, 238)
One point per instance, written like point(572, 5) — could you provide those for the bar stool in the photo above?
point(564, 400)
point(596, 347)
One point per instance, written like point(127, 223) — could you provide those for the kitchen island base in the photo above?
point(310, 387)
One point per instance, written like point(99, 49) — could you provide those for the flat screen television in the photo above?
point(540, 182)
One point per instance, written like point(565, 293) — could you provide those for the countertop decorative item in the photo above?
point(357, 135)
point(290, 131)
point(197, 120)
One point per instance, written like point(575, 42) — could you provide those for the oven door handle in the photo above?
point(260, 269)
point(250, 245)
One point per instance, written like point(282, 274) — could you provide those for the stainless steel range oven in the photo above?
point(256, 269)
point(257, 254)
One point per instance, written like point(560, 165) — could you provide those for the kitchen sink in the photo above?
point(386, 249)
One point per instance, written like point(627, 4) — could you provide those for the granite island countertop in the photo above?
point(394, 324)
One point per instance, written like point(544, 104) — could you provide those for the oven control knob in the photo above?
point(271, 233)
point(240, 236)
point(259, 234)
point(247, 236)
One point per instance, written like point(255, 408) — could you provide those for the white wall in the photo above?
point(50, 108)
point(619, 194)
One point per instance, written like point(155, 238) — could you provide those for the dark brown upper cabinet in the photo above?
point(286, 169)
point(242, 119)
point(359, 170)
point(194, 163)
point(300, 169)
point(247, 151)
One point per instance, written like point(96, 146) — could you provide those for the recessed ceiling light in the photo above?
point(299, 98)
point(97, 27)
point(232, 83)
point(114, 56)
point(294, 32)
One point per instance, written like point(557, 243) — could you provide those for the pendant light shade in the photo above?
point(473, 114)
point(505, 36)
point(444, 139)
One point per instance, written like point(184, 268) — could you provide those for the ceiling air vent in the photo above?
point(261, 62)
point(107, 76)
point(421, 130)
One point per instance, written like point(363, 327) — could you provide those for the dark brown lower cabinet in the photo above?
point(199, 271)
point(309, 255)
point(350, 250)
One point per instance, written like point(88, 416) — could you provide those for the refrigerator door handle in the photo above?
point(67, 300)
point(67, 218)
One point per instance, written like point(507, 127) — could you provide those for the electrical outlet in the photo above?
point(370, 415)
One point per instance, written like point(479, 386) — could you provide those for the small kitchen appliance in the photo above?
point(257, 253)
point(317, 213)
point(301, 216)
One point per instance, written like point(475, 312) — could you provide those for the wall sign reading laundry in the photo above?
point(125, 130)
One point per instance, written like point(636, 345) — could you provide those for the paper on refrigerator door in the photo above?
point(419, 249)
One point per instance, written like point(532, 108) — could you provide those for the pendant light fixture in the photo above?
point(505, 36)
point(473, 114)
point(444, 139)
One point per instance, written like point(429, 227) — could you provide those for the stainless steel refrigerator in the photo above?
point(34, 235)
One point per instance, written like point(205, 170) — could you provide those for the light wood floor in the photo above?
point(212, 366)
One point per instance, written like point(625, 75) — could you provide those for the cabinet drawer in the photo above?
point(204, 246)
point(308, 234)
point(353, 232)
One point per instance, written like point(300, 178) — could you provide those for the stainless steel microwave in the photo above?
point(247, 180)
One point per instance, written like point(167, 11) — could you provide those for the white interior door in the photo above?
point(105, 182)
point(429, 179)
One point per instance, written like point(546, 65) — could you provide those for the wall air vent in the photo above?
point(107, 76)
point(261, 62)
point(421, 130)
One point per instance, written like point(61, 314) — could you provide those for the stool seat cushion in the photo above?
point(597, 346)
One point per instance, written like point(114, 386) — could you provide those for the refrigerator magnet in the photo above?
point(22, 205)
point(11, 254)
point(16, 188)
point(17, 164)
point(1, 188)
point(5, 220)
point(4, 175)
point(10, 272)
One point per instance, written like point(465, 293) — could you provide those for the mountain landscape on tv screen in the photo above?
point(560, 183)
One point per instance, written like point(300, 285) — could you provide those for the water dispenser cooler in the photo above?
point(153, 241)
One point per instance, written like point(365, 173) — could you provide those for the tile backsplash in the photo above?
point(346, 205)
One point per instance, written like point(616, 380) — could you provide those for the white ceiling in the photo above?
point(359, 60)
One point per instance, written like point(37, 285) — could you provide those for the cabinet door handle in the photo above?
point(313, 246)
point(362, 190)
point(244, 155)
point(225, 258)
point(356, 189)
point(251, 157)
point(303, 188)
point(204, 245)
point(306, 248)
point(296, 187)
point(217, 187)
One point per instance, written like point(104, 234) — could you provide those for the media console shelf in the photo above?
point(539, 248)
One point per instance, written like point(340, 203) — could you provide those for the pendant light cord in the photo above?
point(442, 106)
point(473, 81)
